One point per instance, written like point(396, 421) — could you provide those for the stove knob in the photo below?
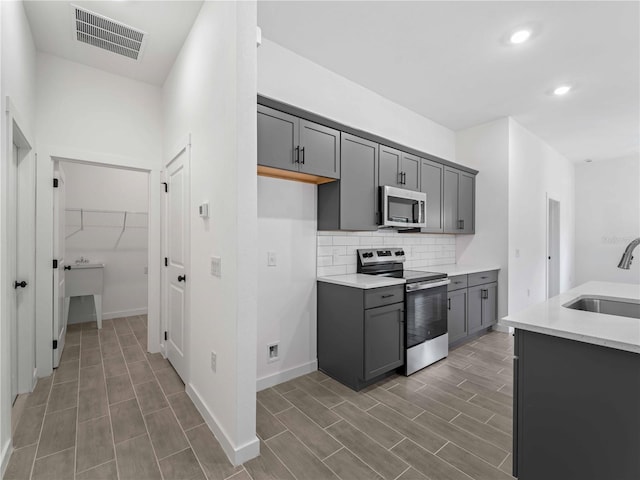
point(400, 253)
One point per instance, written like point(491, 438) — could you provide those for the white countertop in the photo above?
point(457, 269)
point(552, 318)
point(359, 280)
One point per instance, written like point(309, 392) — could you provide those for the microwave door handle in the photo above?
point(421, 207)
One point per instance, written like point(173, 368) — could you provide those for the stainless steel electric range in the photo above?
point(425, 299)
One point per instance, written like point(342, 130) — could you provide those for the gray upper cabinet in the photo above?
point(277, 139)
point(291, 143)
point(352, 203)
point(459, 201)
point(319, 150)
point(431, 183)
point(398, 169)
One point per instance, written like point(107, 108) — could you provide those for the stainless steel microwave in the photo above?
point(402, 208)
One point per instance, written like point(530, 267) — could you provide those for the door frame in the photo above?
point(183, 145)
point(552, 244)
point(44, 243)
point(16, 132)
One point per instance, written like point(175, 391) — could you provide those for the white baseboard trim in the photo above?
point(286, 375)
point(124, 313)
point(500, 328)
point(5, 455)
point(236, 455)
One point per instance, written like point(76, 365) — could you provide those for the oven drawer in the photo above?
point(378, 297)
point(458, 282)
point(483, 277)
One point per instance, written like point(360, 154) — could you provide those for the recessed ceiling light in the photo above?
point(562, 89)
point(520, 36)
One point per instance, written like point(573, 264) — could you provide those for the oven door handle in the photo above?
point(414, 287)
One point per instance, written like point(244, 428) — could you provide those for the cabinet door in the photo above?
point(451, 200)
point(457, 315)
point(277, 139)
point(466, 196)
point(489, 304)
point(431, 179)
point(358, 184)
point(411, 172)
point(319, 150)
point(383, 339)
point(390, 167)
point(474, 308)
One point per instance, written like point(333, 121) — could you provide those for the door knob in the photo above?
point(182, 278)
point(21, 284)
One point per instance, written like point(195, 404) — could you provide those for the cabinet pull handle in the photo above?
point(404, 178)
point(484, 293)
point(387, 296)
point(399, 178)
point(302, 161)
point(448, 304)
point(483, 277)
point(297, 150)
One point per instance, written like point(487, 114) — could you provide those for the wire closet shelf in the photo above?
point(83, 218)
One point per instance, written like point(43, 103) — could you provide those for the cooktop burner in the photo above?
point(388, 262)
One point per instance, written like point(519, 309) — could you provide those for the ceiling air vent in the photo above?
point(108, 34)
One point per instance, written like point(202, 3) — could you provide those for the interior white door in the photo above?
point(12, 268)
point(176, 227)
point(60, 302)
point(553, 257)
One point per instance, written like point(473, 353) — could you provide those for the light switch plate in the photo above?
point(216, 267)
point(271, 259)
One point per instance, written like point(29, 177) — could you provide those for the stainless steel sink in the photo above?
point(621, 307)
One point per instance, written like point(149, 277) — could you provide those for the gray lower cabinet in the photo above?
point(352, 203)
point(459, 201)
point(576, 410)
point(398, 169)
point(431, 183)
point(472, 304)
point(457, 315)
point(290, 143)
point(359, 345)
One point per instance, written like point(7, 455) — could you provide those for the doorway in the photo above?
point(553, 248)
point(102, 246)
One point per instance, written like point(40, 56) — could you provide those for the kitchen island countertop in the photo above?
point(553, 318)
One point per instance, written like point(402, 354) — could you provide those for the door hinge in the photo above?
point(166, 187)
point(55, 344)
point(165, 336)
point(166, 261)
point(55, 183)
point(55, 263)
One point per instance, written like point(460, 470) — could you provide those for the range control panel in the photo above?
point(370, 256)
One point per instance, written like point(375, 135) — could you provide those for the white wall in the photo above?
point(90, 115)
point(210, 94)
point(537, 171)
point(486, 148)
point(287, 291)
point(90, 187)
point(607, 219)
point(17, 82)
point(286, 76)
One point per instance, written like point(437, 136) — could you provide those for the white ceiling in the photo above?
point(167, 24)
point(449, 62)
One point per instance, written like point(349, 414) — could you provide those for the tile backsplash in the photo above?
point(336, 251)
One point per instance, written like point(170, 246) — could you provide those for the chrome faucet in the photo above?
point(625, 261)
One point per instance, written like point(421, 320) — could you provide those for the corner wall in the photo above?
point(486, 148)
point(18, 79)
point(210, 94)
point(607, 219)
point(537, 172)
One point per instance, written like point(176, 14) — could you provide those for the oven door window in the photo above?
point(426, 315)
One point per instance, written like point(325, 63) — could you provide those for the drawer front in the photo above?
point(458, 282)
point(483, 277)
point(378, 297)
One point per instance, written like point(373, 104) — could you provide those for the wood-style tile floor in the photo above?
point(111, 411)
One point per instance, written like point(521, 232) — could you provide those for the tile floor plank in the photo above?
point(210, 454)
point(384, 435)
point(169, 381)
point(431, 465)
point(312, 408)
point(108, 471)
point(267, 466)
point(119, 389)
point(58, 466)
point(309, 433)
point(185, 411)
point(20, 463)
point(487, 432)
point(183, 465)
point(150, 397)
point(273, 401)
point(28, 428)
point(470, 464)
point(58, 432)
point(92, 402)
point(370, 452)
point(267, 425)
point(349, 467)
point(166, 435)
point(298, 459)
point(126, 420)
point(135, 460)
point(95, 443)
